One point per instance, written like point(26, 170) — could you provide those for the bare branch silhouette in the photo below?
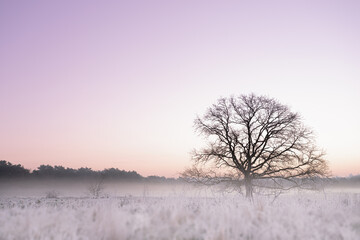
point(254, 140)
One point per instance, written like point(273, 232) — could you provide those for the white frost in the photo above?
point(295, 216)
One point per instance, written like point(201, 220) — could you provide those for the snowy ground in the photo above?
point(177, 215)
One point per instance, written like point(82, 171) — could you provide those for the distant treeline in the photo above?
point(9, 170)
point(353, 181)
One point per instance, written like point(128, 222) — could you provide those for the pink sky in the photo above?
point(118, 83)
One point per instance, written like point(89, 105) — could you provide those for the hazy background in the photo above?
point(118, 83)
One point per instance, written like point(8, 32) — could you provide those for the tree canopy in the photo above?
point(252, 138)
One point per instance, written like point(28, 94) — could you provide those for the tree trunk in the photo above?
point(248, 188)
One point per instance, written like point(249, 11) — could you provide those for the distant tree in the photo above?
point(44, 171)
point(157, 179)
point(86, 172)
point(9, 170)
point(120, 174)
point(253, 140)
point(96, 188)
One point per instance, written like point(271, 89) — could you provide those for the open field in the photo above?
point(179, 214)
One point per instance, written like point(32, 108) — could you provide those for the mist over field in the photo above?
point(64, 188)
point(80, 188)
point(54, 202)
point(173, 212)
point(67, 209)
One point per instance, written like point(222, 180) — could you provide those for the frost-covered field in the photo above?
point(180, 216)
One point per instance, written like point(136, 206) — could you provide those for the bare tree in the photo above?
point(253, 141)
point(96, 188)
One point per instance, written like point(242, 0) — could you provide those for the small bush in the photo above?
point(52, 194)
point(96, 188)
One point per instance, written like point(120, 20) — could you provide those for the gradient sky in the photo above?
point(118, 83)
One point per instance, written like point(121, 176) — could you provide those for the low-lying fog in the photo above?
point(106, 188)
point(72, 209)
point(87, 188)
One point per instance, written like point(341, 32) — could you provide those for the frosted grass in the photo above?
point(295, 216)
